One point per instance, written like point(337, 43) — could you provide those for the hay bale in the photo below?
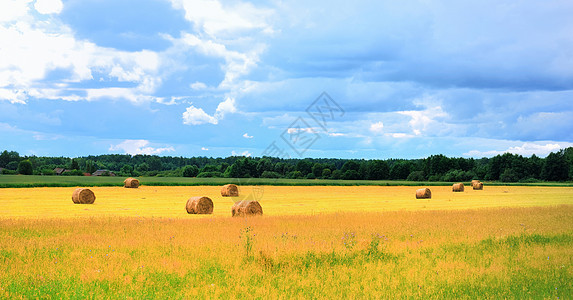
point(458, 187)
point(475, 181)
point(83, 196)
point(246, 208)
point(199, 205)
point(131, 183)
point(229, 190)
point(478, 186)
point(424, 193)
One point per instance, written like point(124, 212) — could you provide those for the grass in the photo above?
point(312, 242)
point(477, 253)
point(21, 181)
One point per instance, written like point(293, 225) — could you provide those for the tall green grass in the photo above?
point(28, 181)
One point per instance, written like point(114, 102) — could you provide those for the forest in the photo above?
point(557, 166)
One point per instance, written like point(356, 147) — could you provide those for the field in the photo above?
point(312, 242)
point(21, 181)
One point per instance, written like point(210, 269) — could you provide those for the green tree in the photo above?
point(377, 170)
point(25, 167)
point(317, 169)
point(190, 171)
point(90, 166)
point(416, 176)
point(336, 174)
point(127, 170)
point(400, 170)
point(350, 165)
point(263, 165)
point(7, 157)
point(74, 164)
point(555, 167)
point(304, 166)
point(351, 175)
point(143, 167)
point(509, 175)
point(154, 163)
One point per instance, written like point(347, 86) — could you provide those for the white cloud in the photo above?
point(134, 147)
point(400, 135)
point(197, 116)
point(301, 129)
point(31, 49)
point(198, 86)
point(247, 136)
point(244, 153)
point(49, 6)
point(426, 121)
point(236, 64)
point(226, 107)
point(377, 128)
point(13, 10)
point(214, 19)
point(204, 149)
point(336, 134)
point(527, 149)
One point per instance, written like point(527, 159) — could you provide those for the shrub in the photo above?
point(9, 172)
point(529, 180)
point(79, 173)
point(270, 174)
point(295, 175)
point(435, 178)
point(209, 174)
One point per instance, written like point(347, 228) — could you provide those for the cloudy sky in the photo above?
point(349, 79)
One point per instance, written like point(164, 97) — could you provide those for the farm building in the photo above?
point(103, 173)
point(59, 171)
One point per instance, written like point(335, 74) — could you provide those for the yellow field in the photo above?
point(149, 201)
point(312, 242)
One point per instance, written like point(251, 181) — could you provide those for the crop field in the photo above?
point(311, 242)
point(169, 202)
point(19, 181)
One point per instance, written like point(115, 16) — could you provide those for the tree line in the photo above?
point(557, 166)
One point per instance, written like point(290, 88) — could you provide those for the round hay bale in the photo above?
point(131, 183)
point(83, 196)
point(424, 193)
point(246, 208)
point(458, 187)
point(199, 205)
point(475, 181)
point(478, 186)
point(229, 190)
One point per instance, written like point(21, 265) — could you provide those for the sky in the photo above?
point(333, 79)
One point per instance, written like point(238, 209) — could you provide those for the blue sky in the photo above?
point(406, 79)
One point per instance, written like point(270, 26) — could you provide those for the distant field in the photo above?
point(21, 181)
point(169, 201)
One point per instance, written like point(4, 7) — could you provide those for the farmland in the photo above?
point(312, 242)
point(169, 202)
point(20, 181)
